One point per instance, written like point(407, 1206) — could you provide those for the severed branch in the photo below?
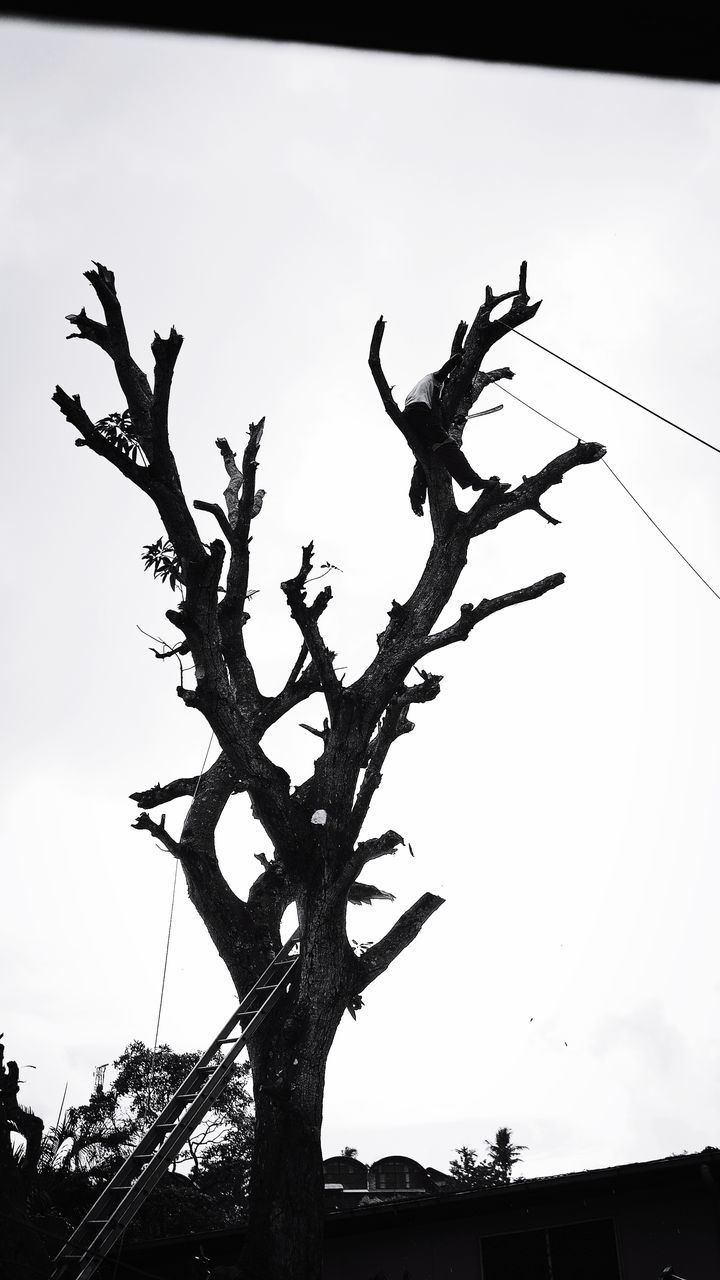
point(157, 829)
point(306, 618)
point(470, 614)
point(378, 958)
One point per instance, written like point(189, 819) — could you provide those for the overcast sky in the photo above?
point(271, 201)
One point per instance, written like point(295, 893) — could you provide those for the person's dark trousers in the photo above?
point(427, 432)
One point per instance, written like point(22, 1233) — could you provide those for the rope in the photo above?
point(609, 387)
point(615, 476)
point(151, 1070)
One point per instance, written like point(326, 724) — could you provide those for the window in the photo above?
point(351, 1173)
point(397, 1174)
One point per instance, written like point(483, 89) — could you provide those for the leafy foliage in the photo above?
point(495, 1171)
point(207, 1184)
point(504, 1153)
point(162, 558)
point(118, 430)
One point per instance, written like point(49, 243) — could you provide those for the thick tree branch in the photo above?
point(241, 500)
point(487, 513)
point(470, 615)
point(481, 335)
point(392, 410)
point(458, 338)
point(180, 787)
point(72, 409)
point(306, 617)
point(166, 352)
point(215, 510)
point(377, 847)
point(464, 404)
point(231, 493)
point(113, 339)
point(378, 958)
point(427, 689)
point(393, 725)
point(302, 682)
point(270, 895)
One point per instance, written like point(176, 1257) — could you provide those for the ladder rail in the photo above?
point(166, 1136)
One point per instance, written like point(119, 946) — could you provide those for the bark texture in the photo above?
point(313, 863)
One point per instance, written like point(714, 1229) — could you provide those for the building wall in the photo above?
point(662, 1232)
point(438, 1252)
point(601, 1238)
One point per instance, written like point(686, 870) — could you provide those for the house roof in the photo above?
point(671, 1172)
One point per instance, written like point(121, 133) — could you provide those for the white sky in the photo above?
point(271, 201)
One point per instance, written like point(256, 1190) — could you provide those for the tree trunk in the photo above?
point(288, 1056)
point(285, 1227)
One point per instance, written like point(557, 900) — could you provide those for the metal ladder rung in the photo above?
point(230, 1040)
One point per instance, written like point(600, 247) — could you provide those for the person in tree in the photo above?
point(422, 419)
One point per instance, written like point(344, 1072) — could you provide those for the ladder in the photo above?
point(117, 1205)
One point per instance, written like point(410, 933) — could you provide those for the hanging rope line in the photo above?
point(615, 476)
point(151, 1070)
point(609, 387)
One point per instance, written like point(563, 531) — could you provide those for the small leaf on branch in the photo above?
point(162, 558)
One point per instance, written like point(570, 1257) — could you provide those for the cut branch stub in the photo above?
point(157, 829)
point(231, 493)
point(306, 618)
point(166, 352)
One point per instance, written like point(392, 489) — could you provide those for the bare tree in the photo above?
point(315, 827)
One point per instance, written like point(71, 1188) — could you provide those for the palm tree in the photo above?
point(504, 1154)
